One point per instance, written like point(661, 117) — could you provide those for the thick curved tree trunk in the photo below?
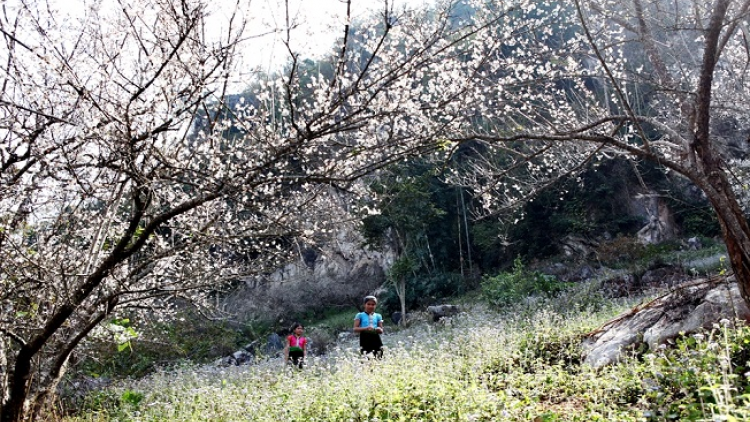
point(19, 405)
point(739, 256)
point(713, 175)
point(736, 233)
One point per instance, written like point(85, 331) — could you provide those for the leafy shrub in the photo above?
point(628, 251)
point(619, 250)
point(507, 288)
point(692, 212)
point(100, 400)
point(131, 398)
point(187, 337)
point(112, 404)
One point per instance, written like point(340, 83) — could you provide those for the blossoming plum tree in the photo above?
point(129, 181)
point(662, 81)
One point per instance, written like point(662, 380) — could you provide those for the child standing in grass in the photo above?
point(369, 325)
point(295, 350)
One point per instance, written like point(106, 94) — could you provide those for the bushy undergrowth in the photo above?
point(509, 287)
point(186, 337)
point(519, 365)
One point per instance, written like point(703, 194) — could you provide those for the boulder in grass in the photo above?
point(687, 309)
point(694, 243)
point(440, 311)
point(274, 345)
point(242, 357)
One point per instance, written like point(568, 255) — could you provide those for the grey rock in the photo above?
point(242, 357)
point(440, 311)
point(687, 309)
point(274, 345)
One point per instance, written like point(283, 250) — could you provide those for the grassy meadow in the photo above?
point(518, 363)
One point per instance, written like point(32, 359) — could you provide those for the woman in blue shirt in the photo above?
point(369, 325)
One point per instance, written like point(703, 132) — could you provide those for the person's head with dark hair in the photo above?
point(370, 303)
point(295, 326)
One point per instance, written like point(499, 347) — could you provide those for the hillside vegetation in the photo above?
point(518, 363)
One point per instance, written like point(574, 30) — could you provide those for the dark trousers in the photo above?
point(297, 358)
point(370, 343)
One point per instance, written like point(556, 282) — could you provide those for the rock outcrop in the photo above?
point(686, 309)
point(339, 273)
point(441, 311)
point(660, 225)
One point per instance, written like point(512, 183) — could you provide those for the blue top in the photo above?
point(364, 319)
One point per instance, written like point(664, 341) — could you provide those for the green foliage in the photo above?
point(620, 250)
point(336, 319)
point(589, 204)
point(489, 243)
point(123, 333)
point(131, 398)
point(691, 210)
point(110, 404)
point(552, 347)
point(698, 221)
point(403, 267)
point(100, 400)
point(425, 220)
point(627, 251)
point(137, 351)
point(703, 374)
point(408, 204)
point(509, 287)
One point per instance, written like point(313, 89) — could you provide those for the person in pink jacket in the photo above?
point(295, 350)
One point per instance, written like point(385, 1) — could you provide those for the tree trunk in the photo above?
point(19, 381)
point(402, 300)
point(3, 374)
point(466, 228)
point(32, 385)
point(460, 241)
point(20, 400)
point(736, 234)
point(739, 256)
point(713, 179)
point(24, 406)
